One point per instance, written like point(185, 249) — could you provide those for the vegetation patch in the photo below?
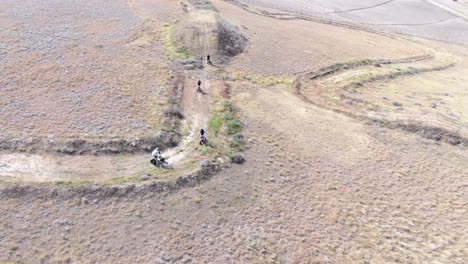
point(175, 51)
point(203, 150)
point(266, 80)
point(224, 129)
point(232, 125)
point(214, 124)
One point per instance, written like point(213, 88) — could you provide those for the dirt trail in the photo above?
point(195, 105)
point(42, 168)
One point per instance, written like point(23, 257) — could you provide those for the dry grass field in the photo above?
point(354, 136)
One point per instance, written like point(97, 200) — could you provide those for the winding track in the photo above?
point(359, 9)
point(195, 105)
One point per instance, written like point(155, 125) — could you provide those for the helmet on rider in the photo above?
point(156, 152)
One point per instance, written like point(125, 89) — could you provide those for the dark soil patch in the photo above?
point(230, 40)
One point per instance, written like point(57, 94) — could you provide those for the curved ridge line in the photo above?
point(358, 9)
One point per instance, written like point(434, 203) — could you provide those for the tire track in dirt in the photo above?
point(344, 81)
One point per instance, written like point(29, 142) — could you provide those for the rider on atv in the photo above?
point(156, 154)
point(158, 161)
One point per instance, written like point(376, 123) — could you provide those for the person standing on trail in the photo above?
point(208, 59)
point(199, 87)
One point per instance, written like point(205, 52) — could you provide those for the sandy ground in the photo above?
point(318, 186)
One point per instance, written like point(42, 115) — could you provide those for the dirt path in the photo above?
point(195, 105)
point(317, 187)
point(196, 109)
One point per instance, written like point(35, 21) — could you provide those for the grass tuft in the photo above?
point(175, 51)
point(214, 124)
point(266, 80)
point(203, 150)
point(233, 127)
